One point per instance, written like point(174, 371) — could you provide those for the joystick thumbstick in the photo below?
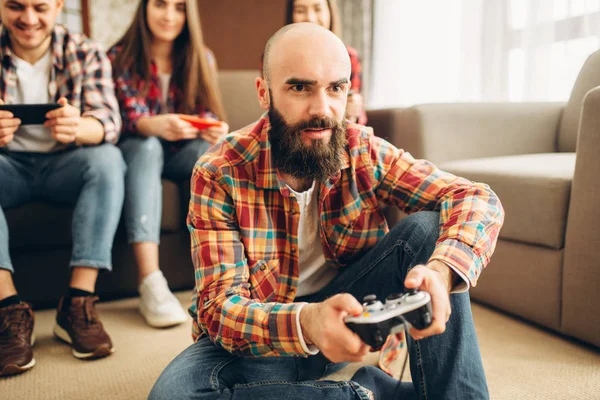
point(411, 292)
point(370, 299)
point(371, 303)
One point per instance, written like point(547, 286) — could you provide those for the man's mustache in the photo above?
point(316, 123)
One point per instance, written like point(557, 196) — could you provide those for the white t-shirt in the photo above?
point(32, 88)
point(165, 80)
point(314, 272)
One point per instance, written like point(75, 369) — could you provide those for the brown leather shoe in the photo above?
point(16, 339)
point(80, 326)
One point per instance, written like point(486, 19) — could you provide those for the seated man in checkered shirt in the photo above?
point(287, 233)
point(70, 159)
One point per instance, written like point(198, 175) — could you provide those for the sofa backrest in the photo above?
point(239, 97)
point(589, 78)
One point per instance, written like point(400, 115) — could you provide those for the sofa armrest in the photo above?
point(456, 131)
point(581, 269)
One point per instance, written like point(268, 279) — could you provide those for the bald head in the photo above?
point(304, 41)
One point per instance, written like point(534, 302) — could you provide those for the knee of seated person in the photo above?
point(107, 161)
point(420, 228)
point(149, 149)
point(174, 383)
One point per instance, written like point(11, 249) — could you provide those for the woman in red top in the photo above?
point(161, 70)
point(325, 13)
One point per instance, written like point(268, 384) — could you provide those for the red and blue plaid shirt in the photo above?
point(243, 221)
point(134, 106)
point(81, 73)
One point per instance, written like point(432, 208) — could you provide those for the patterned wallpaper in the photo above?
point(110, 18)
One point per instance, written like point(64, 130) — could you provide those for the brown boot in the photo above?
point(16, 339)
point(80, 326)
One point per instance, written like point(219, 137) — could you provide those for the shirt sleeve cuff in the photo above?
point(309, 349)
point(462, 286)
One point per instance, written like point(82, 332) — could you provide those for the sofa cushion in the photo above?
point(534, 190)
point(46, 225)
point(173, 216)
point(240, 99)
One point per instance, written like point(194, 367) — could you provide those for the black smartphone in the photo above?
point(30, 114)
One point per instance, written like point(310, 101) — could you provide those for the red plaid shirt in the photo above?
point(81, 73)
point(243, 221)
point(134, 106)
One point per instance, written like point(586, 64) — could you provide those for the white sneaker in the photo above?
point(158, 305)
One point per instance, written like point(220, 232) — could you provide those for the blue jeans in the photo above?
point(90, 178)
point(147, 163)
point(446, 366)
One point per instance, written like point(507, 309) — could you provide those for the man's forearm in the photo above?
point(91, 131)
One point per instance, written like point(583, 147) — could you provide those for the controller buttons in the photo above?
point(371, 303)
point(374, 307)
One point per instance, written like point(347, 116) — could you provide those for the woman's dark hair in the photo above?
point(336, 23)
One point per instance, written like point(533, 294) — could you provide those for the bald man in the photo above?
point(287, 234)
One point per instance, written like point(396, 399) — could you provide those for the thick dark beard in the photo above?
point(291, 156)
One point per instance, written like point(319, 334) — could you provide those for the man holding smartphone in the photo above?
point(70, 159)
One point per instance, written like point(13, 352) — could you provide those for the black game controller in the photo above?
point(379, 320)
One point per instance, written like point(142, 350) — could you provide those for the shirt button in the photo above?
point(294, 250)
point(263, 267)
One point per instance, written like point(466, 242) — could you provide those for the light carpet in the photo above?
point(521, 360)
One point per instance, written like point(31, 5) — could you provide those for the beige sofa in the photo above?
point(543, 161)
point(545, 269)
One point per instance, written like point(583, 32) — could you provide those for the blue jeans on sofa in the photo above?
point(147, 163)
point(89, 178)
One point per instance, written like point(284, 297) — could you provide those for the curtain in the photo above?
point(357, 30)
point(109, 19)
point(479, 50)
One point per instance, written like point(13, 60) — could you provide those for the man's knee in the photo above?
point(183, 383)
point(191, 374)
point(419, 232)
point(105, 162)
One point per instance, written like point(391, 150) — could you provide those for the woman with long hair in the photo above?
point(326, 14)
point(163, 72)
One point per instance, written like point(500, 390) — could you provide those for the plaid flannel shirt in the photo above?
point(134, 106)
point(81, 73)
point(243, 222)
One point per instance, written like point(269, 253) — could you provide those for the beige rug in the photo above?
point(521, 361)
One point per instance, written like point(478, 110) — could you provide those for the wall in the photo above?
point(236, 30)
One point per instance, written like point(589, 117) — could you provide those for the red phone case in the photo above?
point(198, 122)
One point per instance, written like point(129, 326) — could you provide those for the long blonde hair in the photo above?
point(192, 73)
